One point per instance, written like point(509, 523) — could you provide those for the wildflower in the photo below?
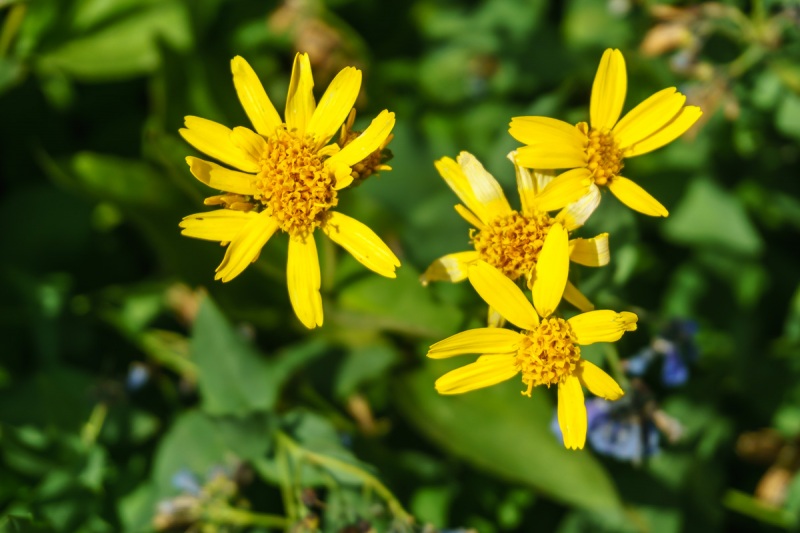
point(598, 151)
point(547, 351)
point(510, 240)
point(288, 179)
point(138, 376)
point(675, 343)
point(630, 429)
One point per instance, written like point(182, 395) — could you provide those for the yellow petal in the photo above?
point(370, 140)
point(221, 178)
point(597, 381)
point(300, 100)
point(486, 371)
point(530, 183)
point(343, 174)
point(335, 105)
point(572, 413)
point(576, 298)
point(454, 176)
point(246, 246)
point(648, 117)
point(630, 194)
point(590, 252)
point(254, 98)
point(215, 140)
point(567, 188)
point(494, 319)
point(485, 188)
point(249, 142)
point(479, 341)
point(469, 216)
point(602, 326)
point(537, 130)
point(575, 214)
point(608, 90)
point(222, 225)
point(551, 270)
point(551, 155)
point(543, 178)
point(671, 131)
point(502, 294)
point(362, 243)
point(303, 280)
point(451, 267)
point(526, 184)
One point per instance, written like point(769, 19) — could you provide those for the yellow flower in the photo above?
point(512, 241)
point(288, 179)
point(600, 151)
point(546, 351)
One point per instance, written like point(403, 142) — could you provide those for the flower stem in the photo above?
point(332, 464)
point(612, 356)
point(239, 517)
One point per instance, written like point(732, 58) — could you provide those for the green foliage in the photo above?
point(137, 394)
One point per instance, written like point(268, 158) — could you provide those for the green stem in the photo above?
point(289, 502)
point(334, 464)
point(11, 27)
point(329, 272)
point(748, 59)
point(240, 517)
point(612, 357)
point(91, 430)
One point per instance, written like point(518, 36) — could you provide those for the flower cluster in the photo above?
point(286, 175)
point(532, 248)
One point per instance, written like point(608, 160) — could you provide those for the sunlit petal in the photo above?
point(477, 341)
point(451, 267)
point(486, 371)
point(608, 90)
point(572, 413)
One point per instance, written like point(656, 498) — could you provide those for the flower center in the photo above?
point(512, 243)
point(294, 185)
point(548, 354)
point(605, 157)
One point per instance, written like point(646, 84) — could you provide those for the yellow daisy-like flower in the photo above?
point(512, 241)
point(288, 179)
point(546, 351)
point(599, 150)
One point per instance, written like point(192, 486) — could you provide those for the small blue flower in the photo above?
point(676, 344)
point(138, 376)
point(186, 481)
point(618, 429)
point(638, 364)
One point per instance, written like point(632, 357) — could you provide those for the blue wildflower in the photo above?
point(138, 376)
point(676, 344)
point(186, 481)
point(619, 429)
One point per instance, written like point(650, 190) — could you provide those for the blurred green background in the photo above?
point(137, 394)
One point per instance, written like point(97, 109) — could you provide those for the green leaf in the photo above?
point(22, 524)
point(402, 305)
point(234, 378)
point(709, 216)
point(11, 73)
point(787, 118)
point(198, 442)
point(500, 432)
point(126, 181)
point(363, 364)
point(126, 47)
